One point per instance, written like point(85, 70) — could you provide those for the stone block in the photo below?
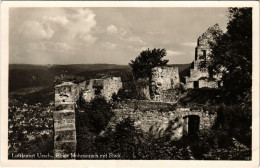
point(65, 135)
point(66, 147)
point(69, 126)
point(60, 106)
point(60, 116)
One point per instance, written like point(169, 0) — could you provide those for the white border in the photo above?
point(126, 163)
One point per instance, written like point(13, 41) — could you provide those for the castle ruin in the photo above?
point(66, 96)
point(105, 87)
point(160, 94)
point(201, 77)
point(163, 80)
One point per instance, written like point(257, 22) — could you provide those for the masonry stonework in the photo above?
point(176, 123)
point(157, 115)
point(200, 77)
point(102, 87)
point(66, 96)
point(164, 78)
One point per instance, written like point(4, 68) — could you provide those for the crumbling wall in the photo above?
point(202, 52)
point(161, 122)
point(88, 93)
point(195, 74)
point(152, 122)
point(169, 96)
point(145, 105)
point(207, 119)
point(163, 78)
point(208, 84)
point(66, 95)
point(111, 86)
point(101, 87)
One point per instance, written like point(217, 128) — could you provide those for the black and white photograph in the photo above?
point(130, 83)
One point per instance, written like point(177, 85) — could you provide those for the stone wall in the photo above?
point(204, 83)
point(157, 123)
point(155, 118)
point(195, 74)
point(145, 105)
point(66, 95)
point(169, 96)
point(163, 78)
point(158, 118)
point(208, 84)
point(102, 87)
point(202, 52)
point(111, 86)
point(152, 122)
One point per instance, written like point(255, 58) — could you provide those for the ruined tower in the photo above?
point(66, 95)
point(200, 77)
point(163, 80)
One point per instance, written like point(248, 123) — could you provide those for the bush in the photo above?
point(236, 121)
point(96, 115)
point(132, 143)
point(179, 87)
point(124, 94)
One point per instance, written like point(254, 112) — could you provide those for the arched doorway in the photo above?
point(191, 125)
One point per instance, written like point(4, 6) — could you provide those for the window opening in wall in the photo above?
point(196, 53)
point(210, 72)
point(97, 92)
point(219, 84)
point(195, 84)
point(204, 54)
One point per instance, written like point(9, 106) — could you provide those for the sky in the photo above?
point(106, 35)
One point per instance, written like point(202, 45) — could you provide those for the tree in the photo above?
point(124, 138)
point(148, 59)
point(96, 115)
point(232, 52)
point(232, 55)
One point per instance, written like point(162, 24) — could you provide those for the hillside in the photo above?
point(26, 75)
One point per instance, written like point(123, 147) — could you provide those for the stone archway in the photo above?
point(191, 125)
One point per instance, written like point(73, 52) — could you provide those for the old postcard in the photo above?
point(136, 84)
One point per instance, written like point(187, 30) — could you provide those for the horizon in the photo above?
point(111, 35)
